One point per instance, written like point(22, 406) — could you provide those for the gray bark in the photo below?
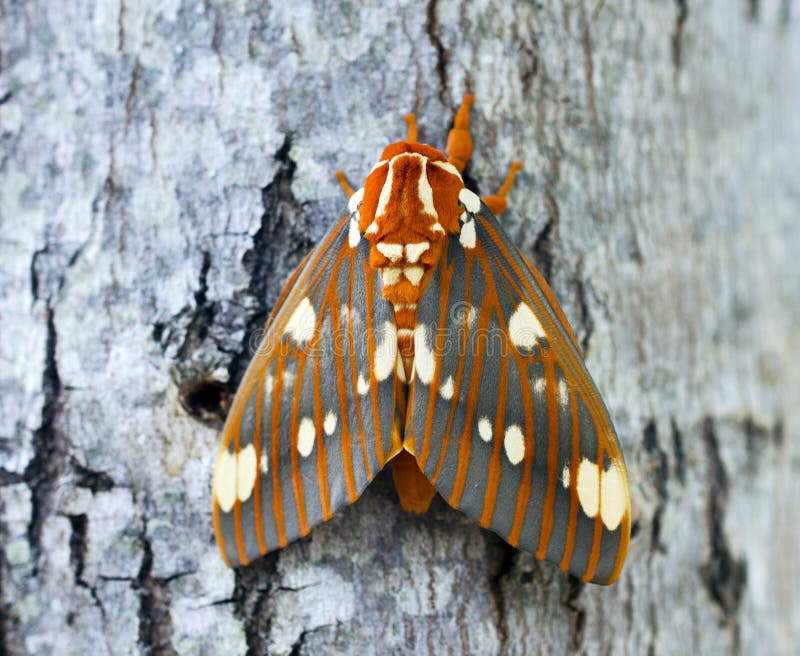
point(166, 164)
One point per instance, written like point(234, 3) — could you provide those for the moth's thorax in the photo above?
point(410, 204)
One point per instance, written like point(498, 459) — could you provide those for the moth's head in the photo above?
point(411, 195)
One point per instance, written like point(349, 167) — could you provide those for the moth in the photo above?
point(417, 334)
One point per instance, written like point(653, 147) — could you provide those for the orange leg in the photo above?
point(342, 178)
point(411, 134)
point(497, 203)
point(459, 141)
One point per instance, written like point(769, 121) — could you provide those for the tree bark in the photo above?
point(165, 165)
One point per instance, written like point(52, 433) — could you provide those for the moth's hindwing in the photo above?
point(505, 419)
point(311, 424)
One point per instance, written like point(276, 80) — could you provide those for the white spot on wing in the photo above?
point(385, 351)
point(424, 363)
point(612, 498)
point(485, 429)
point(353, 236)
point(245, 472)
point(302, 322)
point(447, 389)
point(563, 392)
point(269, 384)
point(565, 476)
point(362, 385)
point(330, 423)
point(372, 229)
point(263, 463)
point(306, 434)
point(514, 443)
point(392, 251)
point(469, 200)
point(524, 327)
point(414, 251)
point(589, 487)
point(467, 237)
point(414, 274)
point(225, 480)
point(355, 200)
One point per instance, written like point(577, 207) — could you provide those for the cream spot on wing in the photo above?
point(414, 251)
point(394, 252)
point(414, 274)
point(302, 322)
point(565, 476)
point(539, 385)
point(447, 166)
point(245, 472)
point(563, 392)
point(269, 384)
point(288, 378)
point(390, 275)
point(330, 422)
point(263, 463)
point(362, 384)
point(355, 200)
point(485, 429)
point(372, 229)
point(225, 480)
point(447, 389)
point(306, 434)
point(524, 327)
point(385, 351)
point(514, 443)
point(589, 487)
point(426, 192)
point(424, 363)
point(467, 236)
point(612, 498)
point(469, 200)
point(463, 217)
point(353, 236)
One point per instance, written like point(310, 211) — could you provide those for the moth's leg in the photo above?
point(497, 203)
point(411, 133)
point(342, 178)
point(459, 140)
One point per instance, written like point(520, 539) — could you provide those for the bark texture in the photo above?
point(163, 167)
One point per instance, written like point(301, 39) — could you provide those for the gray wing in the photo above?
point(505, 420)
point(311, 423)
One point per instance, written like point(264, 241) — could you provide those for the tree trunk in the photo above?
point(165, 165)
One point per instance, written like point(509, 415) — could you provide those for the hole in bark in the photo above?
point(206, 400)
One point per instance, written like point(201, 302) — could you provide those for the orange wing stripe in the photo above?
point(459, 376)
point(552, 454)
point(373, 388)
point(493, 474)
point(258, 518)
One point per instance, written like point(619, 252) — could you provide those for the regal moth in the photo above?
point(417, 334)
